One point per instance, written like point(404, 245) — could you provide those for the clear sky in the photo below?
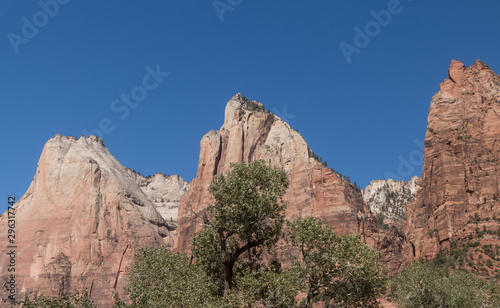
point(355, 78)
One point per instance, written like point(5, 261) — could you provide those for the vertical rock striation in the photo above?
point(251, 133)
point(79, 223)
point(460, 178)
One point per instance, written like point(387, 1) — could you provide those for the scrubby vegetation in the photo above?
point(75, 300)
point(236, 261)
point(424, 284)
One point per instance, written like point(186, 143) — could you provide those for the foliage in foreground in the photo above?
point(161, 278)
point(74, 300)
point(247, 216)
point(243, 225)
point(426, 285)
point(339, 267)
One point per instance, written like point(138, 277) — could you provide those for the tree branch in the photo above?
point(248, 245)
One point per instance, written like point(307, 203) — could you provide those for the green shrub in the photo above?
point(424, 285)
point(73, 300)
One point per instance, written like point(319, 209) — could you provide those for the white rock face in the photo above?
point(79, 224)
point(164, 192)
point(389, 198)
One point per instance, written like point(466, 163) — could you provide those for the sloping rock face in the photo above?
point(251, 133)
point(389, 198)
point(460, 177)
point(164, 192)
point(79, 224)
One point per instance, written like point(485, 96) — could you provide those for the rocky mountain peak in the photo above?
point(460, 176)
point(251, 133)
point(456, 72)
point(81, 221)
point(239, 108)
point(481, 66)
point(241, 102)
point(389, 198)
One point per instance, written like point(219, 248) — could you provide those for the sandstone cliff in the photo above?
point(389, 198)
point(79, 223)
point(164, 192)
point(459, 199)
point(251, 133)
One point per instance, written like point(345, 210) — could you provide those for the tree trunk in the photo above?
point(309, 297)
point(228, 277)
point(308, 301)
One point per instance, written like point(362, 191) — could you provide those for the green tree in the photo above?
point(243, 224)
point(340, 267)
point(426, 285)
point(161, 278)
point(247, 215)
point(206, 252)
point(465, 290)
point(418, 286)
point(270, 286)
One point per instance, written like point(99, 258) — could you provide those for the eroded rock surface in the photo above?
point(389, 198)
point(79, 224)
point(460, 191)
point(251, 133)
point(165, 192)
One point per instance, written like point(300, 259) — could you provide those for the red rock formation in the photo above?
point(79, 223)
point(251, 133)
point(460, 178)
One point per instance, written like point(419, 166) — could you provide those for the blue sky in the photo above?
point(64, 70)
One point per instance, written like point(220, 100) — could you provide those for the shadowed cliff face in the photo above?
point(251, 133)
point(460, 177)
point(80, 223)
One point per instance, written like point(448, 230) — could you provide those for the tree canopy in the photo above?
point(237, 262)
point(247, 215)
point(426, 285)
point(339, 268)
